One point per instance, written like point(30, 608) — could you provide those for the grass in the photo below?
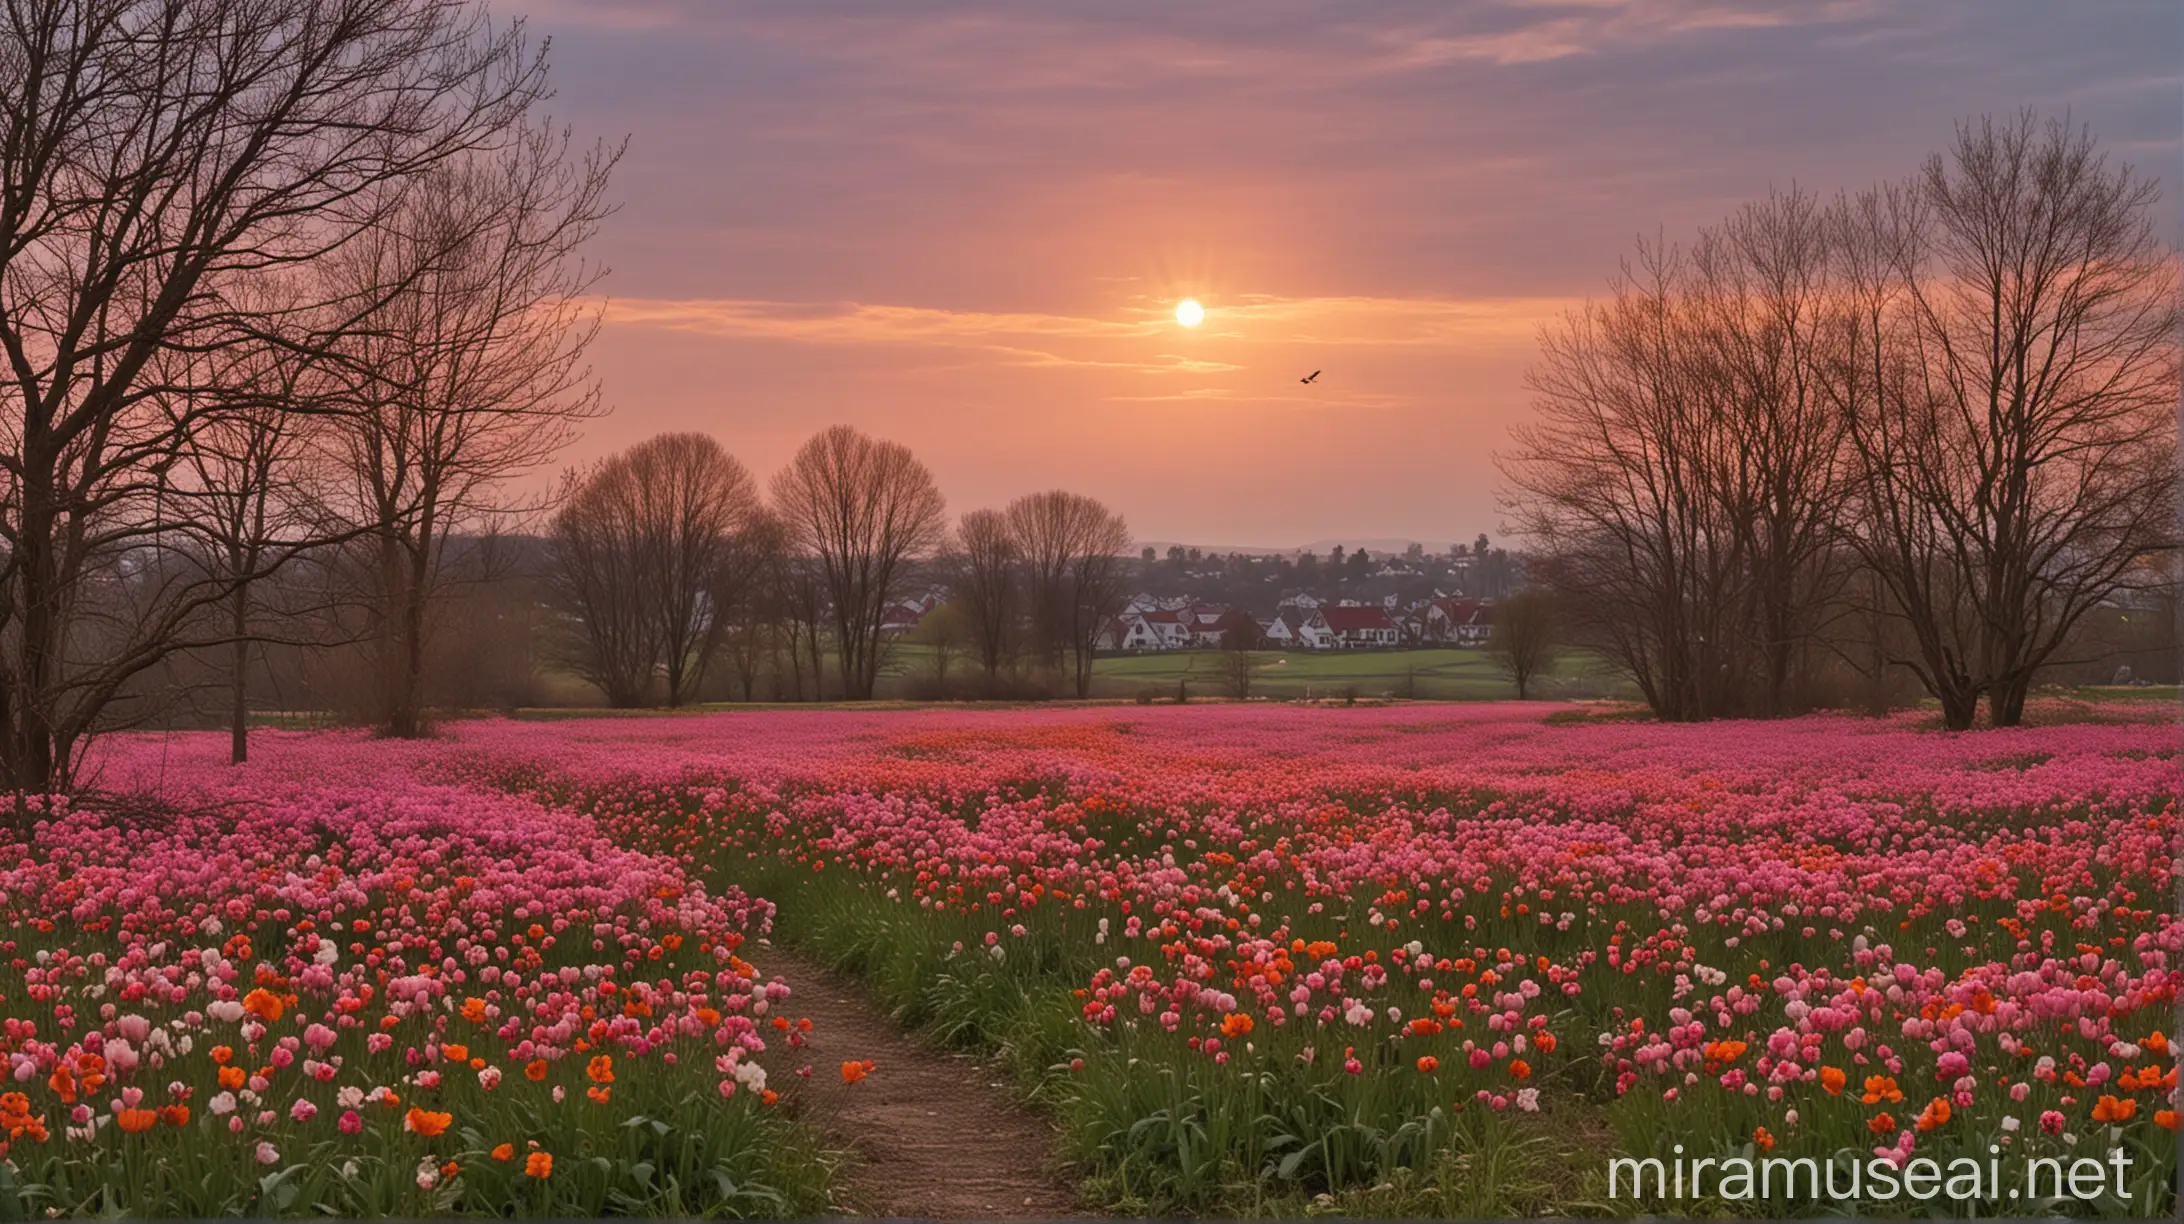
point(1445, 674)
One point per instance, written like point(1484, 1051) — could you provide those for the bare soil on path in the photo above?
point(934, 1132)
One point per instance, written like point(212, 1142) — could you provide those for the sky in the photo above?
point(964, 225)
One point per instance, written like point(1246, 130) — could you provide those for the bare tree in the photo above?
point(986, 576)
point(863, 509)
point(1076, 561)
point(157, 159)
point(469, 371)
point(2010, 378)
point(1615, 484)
point(247, 491)
point(1239, 665)
point(1523, 642)
point(1762, 301)
point(597, 574)
point(800, 589)
point(944, 631)
point(695, 502)
point(750, 605)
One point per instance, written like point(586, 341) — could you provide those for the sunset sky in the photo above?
point(967, 230)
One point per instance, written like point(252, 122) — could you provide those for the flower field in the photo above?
point(330, 986)
point(1252, 959)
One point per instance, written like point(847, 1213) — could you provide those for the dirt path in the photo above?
point(935, 1133)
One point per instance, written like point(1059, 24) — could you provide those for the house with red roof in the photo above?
point(1360, 628)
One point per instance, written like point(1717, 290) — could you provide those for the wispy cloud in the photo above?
point(1256, 319)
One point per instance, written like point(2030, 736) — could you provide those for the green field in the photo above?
point(1420, 675)
point(1423, 675)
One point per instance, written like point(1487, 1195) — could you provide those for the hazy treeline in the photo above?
point(667, 566)
point(1926, 429)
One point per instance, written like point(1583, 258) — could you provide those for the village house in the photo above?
point(1455, 622)
point(1360, 628)
point(1307, 628)
point(1130, 631)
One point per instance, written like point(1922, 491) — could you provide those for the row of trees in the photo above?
point(1929, 426)
point(667, 563)
point(288, 291)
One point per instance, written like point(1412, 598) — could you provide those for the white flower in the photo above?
point(1528, 1100)
point(350, 1097)
point(222, 1104)
point(2010, 1124)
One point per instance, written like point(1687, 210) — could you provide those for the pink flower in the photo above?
point(302, 1110)
point(350, 1123)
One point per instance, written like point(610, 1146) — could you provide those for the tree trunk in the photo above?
point(2006, 701)
point(1959, 706)
point(238, 682)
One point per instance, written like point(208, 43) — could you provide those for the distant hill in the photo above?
point(1377, 546)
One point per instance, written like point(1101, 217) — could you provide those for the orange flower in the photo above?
point(852, 1071)
point(63, 1081)
point(221, 1055)
point(1762, 1140)
point(535, 1070)
point(2112, 1109)
point(769, 1096)
point(1545, 1042)
point(1833, 1079)
point(599, 1094)
point(425, 1122)
point(1428, 1064)
point(1724, 1051)
point(450, 1169)
point(136, 1121)
point(474, 1010)
point(1235, 1024)
point(708, 1017)
point(601, 1069)
point(539, 1165)
point(1519, 1069)
point(232, 1078)
point(2167, 1119)
point(176, 1115)
point(263, 1004)
point(1880, 1088)
point(455, 1053)
point(1881, 1124)
point(1935, 1114)
point(506, 1151)
point(2156, 1042)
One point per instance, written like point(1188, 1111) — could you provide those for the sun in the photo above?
point(1189, 313)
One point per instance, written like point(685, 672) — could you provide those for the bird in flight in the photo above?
point(1309, 377)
